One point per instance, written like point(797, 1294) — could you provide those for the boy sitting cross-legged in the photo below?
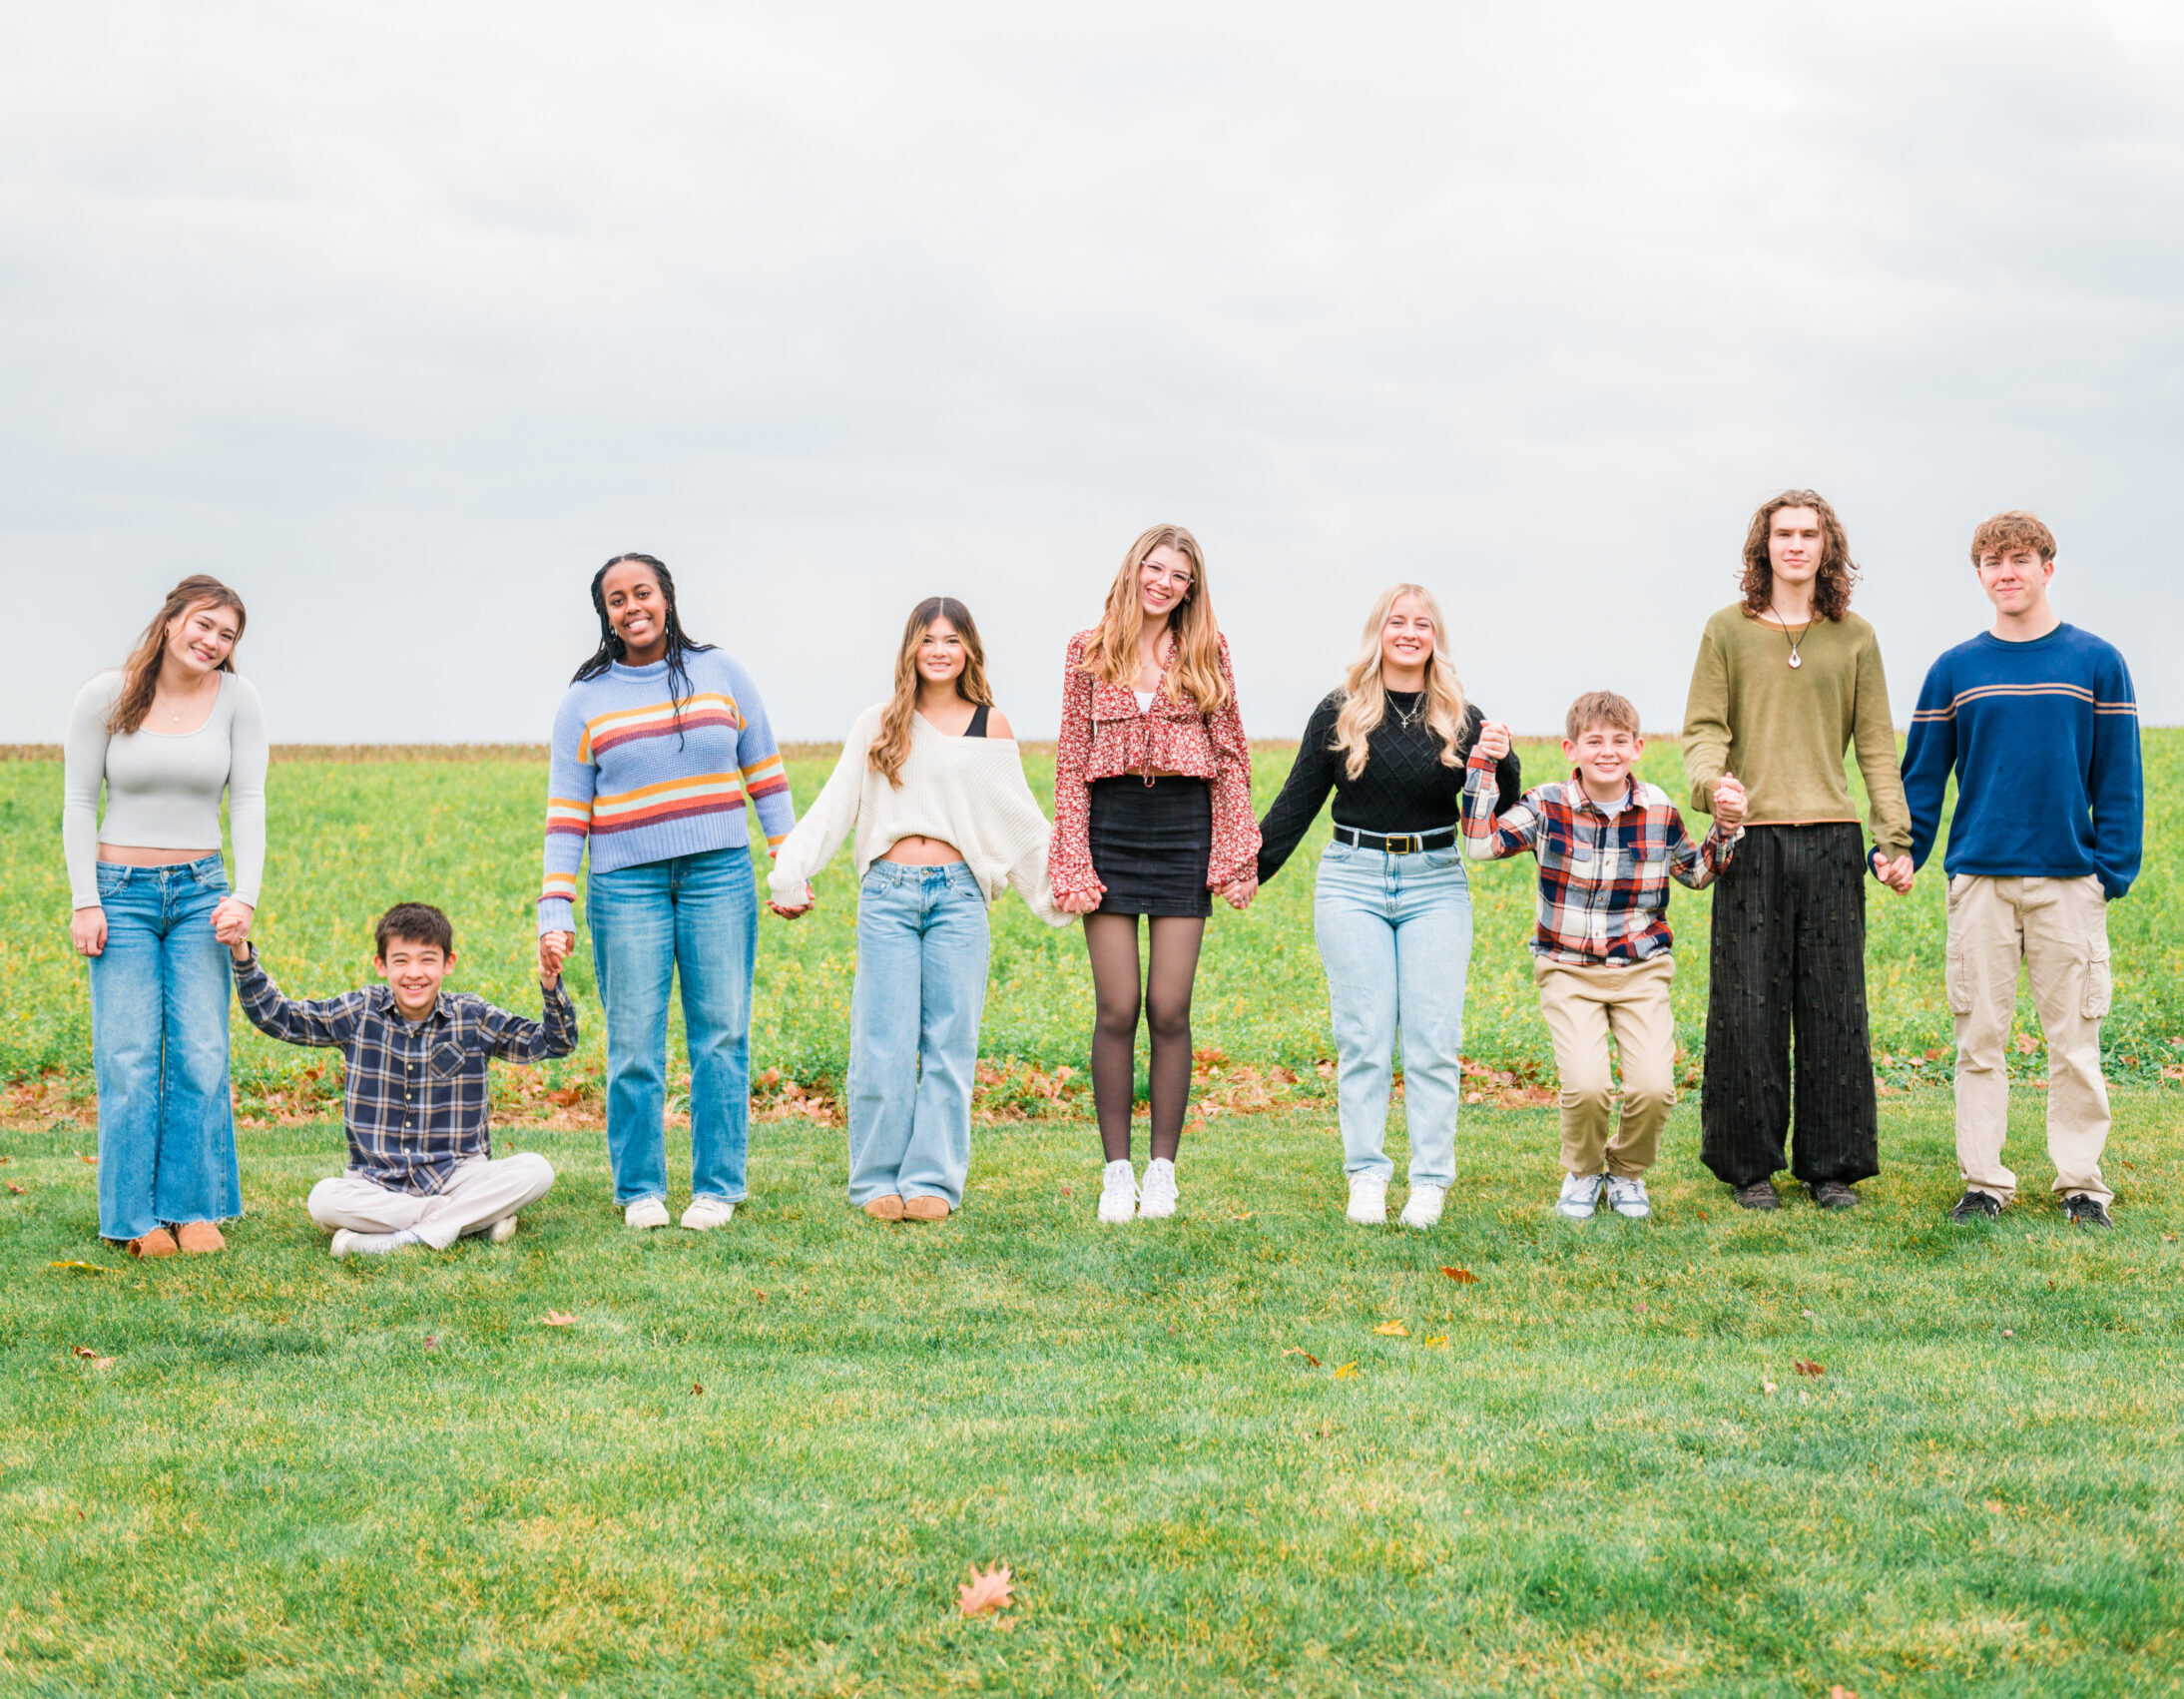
point(420, 1163)
point(1608, 845)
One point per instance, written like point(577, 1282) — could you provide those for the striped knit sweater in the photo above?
point(620, 780)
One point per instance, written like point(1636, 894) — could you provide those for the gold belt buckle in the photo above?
point(1409, 843)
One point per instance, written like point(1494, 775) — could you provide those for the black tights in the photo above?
point(1113, 942)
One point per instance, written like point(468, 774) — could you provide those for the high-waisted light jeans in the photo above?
point(158, 1050)
point(921, 950)
point(697, 915)
point(1394, 936)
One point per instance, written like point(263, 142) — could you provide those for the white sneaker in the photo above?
point(1118, 1191)
point(1628, 1197)
point(502, 1230)
point(349, 1243)
point(1423, 1208)
point(646, 1212)
point(1158, 1199)
point(705, 1214)
point(1580, 1195)
point(1367, 1200)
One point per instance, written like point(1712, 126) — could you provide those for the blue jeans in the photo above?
point(159, 1049)
point(698, 914)
point(921, 949)
point(1395, 938)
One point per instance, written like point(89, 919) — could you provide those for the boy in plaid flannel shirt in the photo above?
point(1608, 845)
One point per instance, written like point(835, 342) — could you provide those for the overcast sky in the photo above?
point(402, 318)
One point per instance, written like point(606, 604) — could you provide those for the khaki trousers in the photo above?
point(2058, 930)
point(481, 1192)
point(1584, 1007)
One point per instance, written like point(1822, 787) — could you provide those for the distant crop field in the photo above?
point(353, 831)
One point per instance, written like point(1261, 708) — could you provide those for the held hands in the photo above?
point(1238, 893)
point(1493, 739)
point(1080, 903)
point(787, 912)
point(87, 930)
point(1729, 802)
point(232, 925)
point(553, 951)
point(1895, 874)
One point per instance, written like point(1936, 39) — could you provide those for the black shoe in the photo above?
point(2083, 1209)
point(1759, 1195)
point(1977, 1206)
point(1833, 1194)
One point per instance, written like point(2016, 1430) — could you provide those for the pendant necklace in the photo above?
point(1797, 643)
point(1408, 718)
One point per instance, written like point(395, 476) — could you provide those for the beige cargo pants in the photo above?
point(481, 1191)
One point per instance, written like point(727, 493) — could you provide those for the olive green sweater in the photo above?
point(1782, 730)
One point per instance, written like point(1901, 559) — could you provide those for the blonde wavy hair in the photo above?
point(893, 747)
point(1365, 696)
point(1195, 673)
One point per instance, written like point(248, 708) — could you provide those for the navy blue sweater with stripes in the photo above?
point(2043, 739)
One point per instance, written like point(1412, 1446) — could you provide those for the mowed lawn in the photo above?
point(762, 1460)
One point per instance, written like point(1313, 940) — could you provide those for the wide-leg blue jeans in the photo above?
point(158, 1050)
point(922, 944)
point(695, 915)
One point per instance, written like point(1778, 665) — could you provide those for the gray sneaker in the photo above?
point(1580, 1195)
point(1628, 1197)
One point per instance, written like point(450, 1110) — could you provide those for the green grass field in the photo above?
point(762, 1460)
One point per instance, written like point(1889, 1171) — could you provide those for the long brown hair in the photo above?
point(1838, 571)
point(1365, 696)
point(893, 747)
point(141, 672)
point(1112, 657)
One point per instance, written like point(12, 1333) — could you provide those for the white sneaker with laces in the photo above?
point(1580, 1195)
point(1367, 1200)
point(1628, 1197)
point(705, 1214)
point(349, 1243)
point(1158, 1199)
point(646, 1212)
point(1422, 1210)
point(1118, 1191)
point(502, 1230)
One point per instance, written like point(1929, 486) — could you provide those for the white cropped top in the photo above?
point(162, 792)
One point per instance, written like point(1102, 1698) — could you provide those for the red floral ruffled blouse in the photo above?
point(1105, 735)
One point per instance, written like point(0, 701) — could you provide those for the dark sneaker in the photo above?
point(2084, 1210)
point(1977, 1206)
point(1833, 1194)
point(1759, 1195)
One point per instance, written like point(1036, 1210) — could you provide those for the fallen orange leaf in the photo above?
point(1299, 1350)
point(1464, 1277)
point(1347, 1372)
point(986, 1590)
point(695, 1388)
point(1811, 1369)
point(1439, 1341)
point(97, 1361)
point(1839, 1691)
point(559, 1318)
point(1393, 1328)
point(87, 1161)
point(16, 1190)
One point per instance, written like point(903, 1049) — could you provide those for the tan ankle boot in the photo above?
point(925, 1209)
point(198, 1237)
point(885, 1208)
point(157, 1243)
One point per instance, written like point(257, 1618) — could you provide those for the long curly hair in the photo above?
point(1365, 696)
point(893, 747)
point(1838, 571)
point(1194, 638)
point(141, 672)
point(611, 647)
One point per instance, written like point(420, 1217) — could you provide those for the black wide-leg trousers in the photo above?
point(1789, 960)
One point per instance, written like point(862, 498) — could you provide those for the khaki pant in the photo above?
point(481, 1192)
point(2058, 930)
point(1584, 1007)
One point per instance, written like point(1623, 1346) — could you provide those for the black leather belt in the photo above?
point(1397, 843)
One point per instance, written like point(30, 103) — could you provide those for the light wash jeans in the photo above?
point(696, 914)
point(921, 950)
point(158, 1050)
point(1395, 938)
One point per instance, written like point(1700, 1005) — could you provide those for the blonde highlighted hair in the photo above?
point(893, 747)
point(1365, 696)
point(1194, 671)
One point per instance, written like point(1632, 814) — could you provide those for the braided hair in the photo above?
point(611, 647)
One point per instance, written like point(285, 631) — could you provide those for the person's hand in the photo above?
point(1493, 739)
point(1729, 802)
point(1895, 874)
point(790, 911)
point(87, 930)
point(553, 951)
point(232, 921)
point(1238, 893)
point(1080, 903)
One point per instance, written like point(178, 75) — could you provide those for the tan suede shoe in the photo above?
point(198, 1237)
point(887, 1208)
point(925, 1209)
point(157, 1243)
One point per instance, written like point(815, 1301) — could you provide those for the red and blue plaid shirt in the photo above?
point(1603, 877)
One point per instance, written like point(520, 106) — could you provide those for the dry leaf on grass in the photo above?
point(695, 1388)
point(988, 1590)
point(1463, 1277)
point(87, 1161)
point(1996, 1505)
point(560, 1319)
point(1347, 1372)
point(81, 1268)
point(1839, 1691)
point(1436, 1341)
point(97, 1361)
point(20, 1190)
point(1393, 1328)
point(1311, 1362)
point(1766, 1386)
point(1812, 1369)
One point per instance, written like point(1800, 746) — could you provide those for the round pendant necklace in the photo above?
point(1796, 643)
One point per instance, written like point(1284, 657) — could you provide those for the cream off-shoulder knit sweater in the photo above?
point(969, 792)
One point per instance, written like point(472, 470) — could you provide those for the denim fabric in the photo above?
point(159, 1049)
point(1394, 936)
point(696, 914)
point(921, 949)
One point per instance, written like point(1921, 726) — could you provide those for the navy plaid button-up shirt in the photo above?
point(1603, 878)
point(415, 1102)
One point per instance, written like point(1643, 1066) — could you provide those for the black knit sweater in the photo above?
point(1403, 787)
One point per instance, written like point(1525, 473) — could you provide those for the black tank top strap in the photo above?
point(978, 726)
